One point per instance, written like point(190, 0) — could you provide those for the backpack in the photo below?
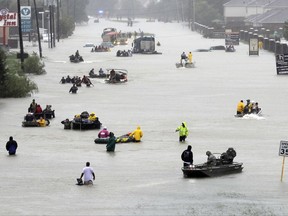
point(185, 155)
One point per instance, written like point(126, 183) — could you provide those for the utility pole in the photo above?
point(58, 21)
point(29, 33)
point(20, 35)
point(38, 32)
point(51, 26)
point(189, 13)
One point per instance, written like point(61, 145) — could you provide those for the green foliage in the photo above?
point(16, 85)
point(3, 69)
point(13, 82)
point(285, 30)
point(75, 9)
point(34, 65)
point(67, 27)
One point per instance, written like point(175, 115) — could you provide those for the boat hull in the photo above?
point(199, 171)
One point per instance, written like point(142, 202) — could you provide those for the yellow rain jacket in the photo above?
point(92, 117)
point(190, 57)
point(183, 131)
point(137, 134)
point(240, 107)
point(42, 122)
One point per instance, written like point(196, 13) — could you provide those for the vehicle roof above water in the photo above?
point(107, 44)
point(88, 45)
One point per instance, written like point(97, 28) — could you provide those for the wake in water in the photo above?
point(253, 116)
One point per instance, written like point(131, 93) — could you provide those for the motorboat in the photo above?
point(186, 65)
point(117, 76)
point(204, 170)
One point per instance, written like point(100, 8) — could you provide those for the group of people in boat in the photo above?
point(229, 48)
point(100, 49)
point(36, 114)
point(225, 158)
point(116, 77)
point(101, 73)
point(124, 53)
point(186, 58)
point(251, 107)
point(83, 118)
point(76, 58)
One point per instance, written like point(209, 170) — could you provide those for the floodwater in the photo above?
point(146, 178)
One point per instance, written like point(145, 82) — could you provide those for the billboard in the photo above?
point(8, 19)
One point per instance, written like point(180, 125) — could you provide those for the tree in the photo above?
point(67, 26)
point(75, 9)
point(285, 30)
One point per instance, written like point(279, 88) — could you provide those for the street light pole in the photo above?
point(42, 18)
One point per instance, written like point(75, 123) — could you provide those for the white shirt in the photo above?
point(88, 174)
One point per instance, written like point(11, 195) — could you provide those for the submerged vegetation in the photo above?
point(13, 81)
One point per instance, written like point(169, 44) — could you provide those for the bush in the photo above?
point(13, 82)
point(17, 86)
point(34, 65)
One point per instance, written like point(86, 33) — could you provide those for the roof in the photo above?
point(238, 3)
point(278, 3)
point(270, 17)
point(257, 3)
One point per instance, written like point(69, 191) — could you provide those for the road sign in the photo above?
point(25, 18)
point(25, 12)
point(283, 149)
point(282, 63)
point(253, 46)
point(232, 38)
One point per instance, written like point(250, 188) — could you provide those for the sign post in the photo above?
point(26, 18)
point(283, 151)
point(282, 64)
point(253, 46)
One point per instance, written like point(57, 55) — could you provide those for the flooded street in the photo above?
point(146, 178)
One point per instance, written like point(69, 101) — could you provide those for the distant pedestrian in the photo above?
point(73, 89)
point(11, 146)
point(110, 147)
point(187, 156)
point(183, 132)
point(88, 174)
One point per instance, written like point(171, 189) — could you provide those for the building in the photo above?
point(256, 13)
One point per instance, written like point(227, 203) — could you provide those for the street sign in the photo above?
point(25, 12)
point(25, 18)
point(232, 38)
point(283, 149)
point(253, 46)
point(282, 63)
